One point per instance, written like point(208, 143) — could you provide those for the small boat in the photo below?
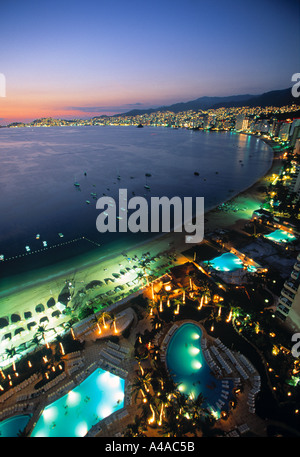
point(148, 175)
point(119, 217)
point(45, 243)
point(37, 236)
point(1, 257)
point(76, 184)
point(61, 235)
point(147, 187)
point(88, 202)
point(27, 248)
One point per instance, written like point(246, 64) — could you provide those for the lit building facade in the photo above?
point(288, 308)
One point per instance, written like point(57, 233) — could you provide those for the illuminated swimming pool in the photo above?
point(74, 414)
point(280, 236)
point(14, 425)
point(228, 262)
point(189, 368)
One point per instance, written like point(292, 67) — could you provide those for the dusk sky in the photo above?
point(76, 59)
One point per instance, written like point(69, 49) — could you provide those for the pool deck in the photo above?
point(244, 412)
point(119, 360)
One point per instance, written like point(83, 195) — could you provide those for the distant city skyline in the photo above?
point(65, 59)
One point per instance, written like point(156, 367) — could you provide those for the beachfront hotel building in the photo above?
point(242, 122)
point(295, 183)
point(284, 131)
point(288, 307)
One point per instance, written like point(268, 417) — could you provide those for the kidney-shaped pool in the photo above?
point(189, 368)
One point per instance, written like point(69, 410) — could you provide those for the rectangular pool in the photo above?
point(74, 414)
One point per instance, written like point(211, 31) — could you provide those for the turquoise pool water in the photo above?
point(228, 262)
point(10, 428)
point(189, 369)
point(74, 414)
point(280, 236)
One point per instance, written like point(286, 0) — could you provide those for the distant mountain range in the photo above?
point(273, 98)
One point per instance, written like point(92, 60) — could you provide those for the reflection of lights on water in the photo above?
point(81, 429)
point(54, 416)
point(195, 336)
point(49, 414)
point(108, 379)
point(41, 434)
point(73, 398)
point(118, 396)
point(104, 411)
point(181, 388)
point(194, 350)
point(103, 377)
point(114, 381)
point(196, 364)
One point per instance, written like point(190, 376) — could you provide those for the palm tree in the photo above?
point(113, 322)
point(164, 402)
point(155, 322)
point(135, 429)
point(170, 385)
point(137, 387)
point(23, 433)
point(192, 277)
point(150, 307)
point(41, 331)
point(234, 311)
point(176, 424)
point(36, 341)
point(11, 354)
point(177, 302)
point(104, 316)
point(158, 379)
point(205, 289)
point(146, 379)
point(196, 409)
point(141, 384)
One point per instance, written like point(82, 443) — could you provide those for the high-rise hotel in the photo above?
point(288, 308)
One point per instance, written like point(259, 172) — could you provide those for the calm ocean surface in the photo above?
point(40, 165)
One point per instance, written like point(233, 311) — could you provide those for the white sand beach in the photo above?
point(36, 289)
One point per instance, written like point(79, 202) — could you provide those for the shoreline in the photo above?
point(253, 192)
point(35, 292)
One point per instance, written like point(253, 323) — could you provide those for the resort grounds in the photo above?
point(130, 342)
